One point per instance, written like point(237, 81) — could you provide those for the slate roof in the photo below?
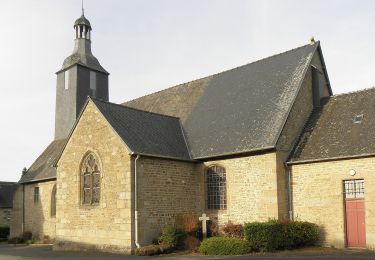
point(85, 59)
point(6, 194)
point(332, 133)
point(144, 132)
point(42, 168)
point(236, 111)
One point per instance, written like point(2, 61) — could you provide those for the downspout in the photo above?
point(290, 206)
point(135, 203)
point(23, 208)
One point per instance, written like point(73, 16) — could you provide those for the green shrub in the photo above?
point(224, 246)
point(171, 236)
point(303, 233)
point(263, 236)
point(273, 235)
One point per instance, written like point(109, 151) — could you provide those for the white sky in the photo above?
point(151, 45)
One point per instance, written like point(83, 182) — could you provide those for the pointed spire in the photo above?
point(83, 10)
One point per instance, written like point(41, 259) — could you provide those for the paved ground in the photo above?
point(34, 252)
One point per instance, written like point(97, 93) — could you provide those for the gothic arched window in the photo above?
point(53, 201)
point(90, 180)
point(216, 188)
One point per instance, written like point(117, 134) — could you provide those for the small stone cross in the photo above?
point(204, 220)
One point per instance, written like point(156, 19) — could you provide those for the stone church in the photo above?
point(266, 140)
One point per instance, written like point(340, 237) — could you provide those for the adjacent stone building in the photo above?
point(6, 202)
point(332, 170)
point(264, 140)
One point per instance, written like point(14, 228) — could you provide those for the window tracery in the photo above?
point(90, 180)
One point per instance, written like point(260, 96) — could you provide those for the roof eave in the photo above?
point(38, 180)
point(82, 65)
point(237, 154)
point(337, 158)
point(165, 157)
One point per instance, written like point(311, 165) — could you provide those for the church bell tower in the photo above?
point(81, 75)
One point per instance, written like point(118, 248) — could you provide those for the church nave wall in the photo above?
point(252, 186)
point(167, 189)
point(38, 210)
point(107, 225)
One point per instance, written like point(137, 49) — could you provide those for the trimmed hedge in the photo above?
point(273, 235)
point(224, 246)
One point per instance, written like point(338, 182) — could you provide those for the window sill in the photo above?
point(89, 206)
point(216, 210)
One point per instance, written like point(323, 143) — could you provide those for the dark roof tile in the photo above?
point(146, 133)
point(43, 168)
point(332, 131)
point(6, 194)
point(236, 111)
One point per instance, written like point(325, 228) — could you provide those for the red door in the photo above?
point(355, 220)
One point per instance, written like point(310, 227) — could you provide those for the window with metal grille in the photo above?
point(358, 119)
point(36, 194)
point(90, 180)
point(354, 189)
point(216, 188)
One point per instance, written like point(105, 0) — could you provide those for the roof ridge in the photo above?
point(185, 139)
point(175, 86)
point(224, 71)
point(353, 92)
point(132, 108)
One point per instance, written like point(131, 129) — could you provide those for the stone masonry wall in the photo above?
point(318, 196)
point(299, 113)
point(38, 218)
point(5, 216)
point(294, 125)
point(167, 190)
point(108, 226)
point(16, 223)
point(252, 187)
